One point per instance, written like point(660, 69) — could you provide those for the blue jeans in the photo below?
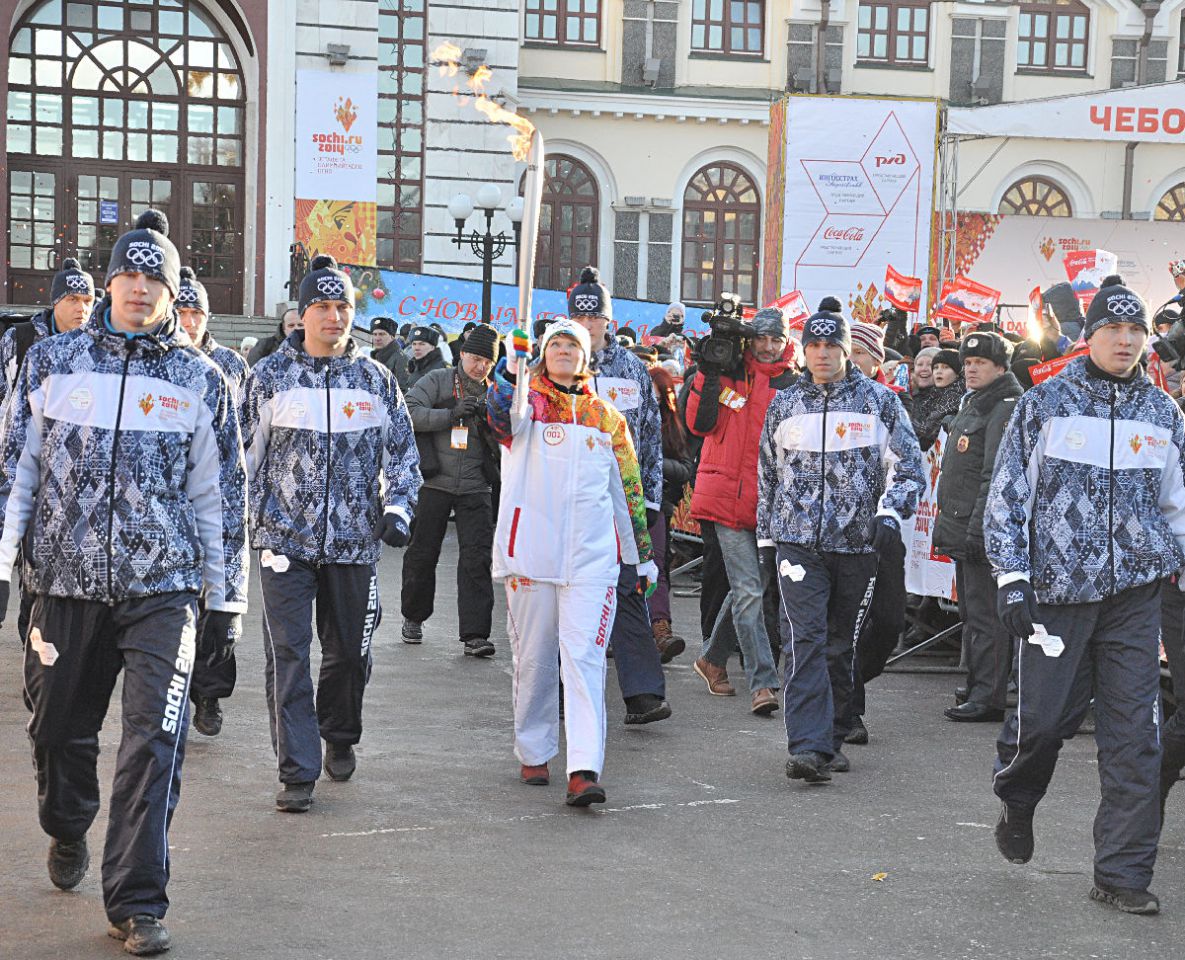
point(739, 549)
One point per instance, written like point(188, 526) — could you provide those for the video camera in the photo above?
point(1171, 346)
point(724, 348)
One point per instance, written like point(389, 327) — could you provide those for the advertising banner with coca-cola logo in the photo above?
point(1086, 270)
point(859, 185)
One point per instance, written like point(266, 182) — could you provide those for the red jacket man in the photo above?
point(727, 408)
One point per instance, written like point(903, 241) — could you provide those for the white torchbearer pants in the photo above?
point(558, 630)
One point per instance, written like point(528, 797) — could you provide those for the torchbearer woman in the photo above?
point(571, 513)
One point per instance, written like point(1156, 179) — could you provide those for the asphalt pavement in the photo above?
point(704, 849)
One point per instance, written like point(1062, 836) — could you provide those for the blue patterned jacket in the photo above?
point(122, 456)
point(621, 380)
point(233, 366)
point(1088, 496)
point(42, 327)
point(330, 448)
point(824, 463)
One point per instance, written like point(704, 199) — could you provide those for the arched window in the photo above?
point(721, 235)
point(113, 107)
point(1036, 197)
point(568, 223)
point(1172, 204)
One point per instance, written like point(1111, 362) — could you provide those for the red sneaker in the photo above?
point(535, 776)
point(583, 789)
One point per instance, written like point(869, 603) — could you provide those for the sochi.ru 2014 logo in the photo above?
point(147, 402)
point(348, 410)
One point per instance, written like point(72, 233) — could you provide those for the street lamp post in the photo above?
point(487, 246)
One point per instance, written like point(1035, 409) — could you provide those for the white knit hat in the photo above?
point(570, 329)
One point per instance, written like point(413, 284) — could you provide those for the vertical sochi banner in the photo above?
point(337, 164)
point(859, 188)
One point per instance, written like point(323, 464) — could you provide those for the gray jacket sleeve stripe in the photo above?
point(216, 487)
point(257, 423)
point(1013, 494)
point(21, 442)
point(401, 458)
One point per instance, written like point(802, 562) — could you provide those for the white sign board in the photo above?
point(1016, 254)
point(859, 189)
point(927, 573)
point(337, 135)
point(1150, 114)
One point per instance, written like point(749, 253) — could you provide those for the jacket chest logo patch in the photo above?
point(1136, 444)
point(841, 431)
point(348, 409)
point(613, 393)
point(794, 435)
point(146, 403)
point(1075, 439)
point(590, 442)
point(553, 434)
point(81, 399)
point(963, 444)
point(299, 410)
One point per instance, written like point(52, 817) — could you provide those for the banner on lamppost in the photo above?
point(337, 164)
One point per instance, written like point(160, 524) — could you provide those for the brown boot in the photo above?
point(765, 702)
point(716, 678)
point(669, 645)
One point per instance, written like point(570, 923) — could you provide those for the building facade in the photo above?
point(655, 114)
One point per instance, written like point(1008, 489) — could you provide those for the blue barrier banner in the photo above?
point(421, 298)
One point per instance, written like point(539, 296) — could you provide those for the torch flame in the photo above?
point(447, 58)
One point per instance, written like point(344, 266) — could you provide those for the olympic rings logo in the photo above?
point(586, 302)
point(76, 281)
point(1124, 305)
point(823, 328)
point(331, 287)
point(187, 294)
point(149, 257)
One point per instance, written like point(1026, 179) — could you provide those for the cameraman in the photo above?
point(727, 407)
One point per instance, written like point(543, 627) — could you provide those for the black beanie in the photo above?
point(427, 334)
point(482, 341)
point(950, 358)
point(386, 324)
point(590, 297)
point(192, 293)
point(830, 305)
point(1115, 303)
point(930, 329)
point(324, 281)
point(988, 346)
point(71, 278)
point(829, 326)
point(147, 249)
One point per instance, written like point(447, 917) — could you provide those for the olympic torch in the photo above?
point(532, 201)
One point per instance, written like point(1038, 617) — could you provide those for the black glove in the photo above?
point(3, 600)
point(222, 631)
point(886, 535)
point(468, 407)
point(974, 551)
point(392, 530)
point(651, 517)
point(1016, 603)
